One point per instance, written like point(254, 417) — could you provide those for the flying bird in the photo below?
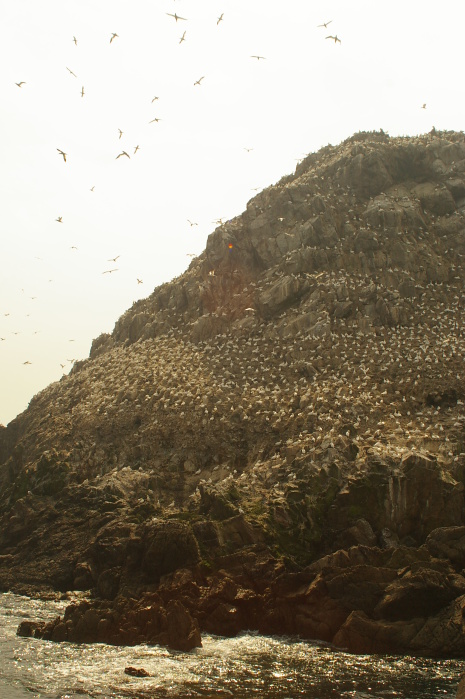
point(220, 18)
point(157, 119)
point(73, 247)
point(176, 17)
point(155, 98)
point(183, 38)
point(248, 149)
point(139, 281)
point(82, 91)
point(75, 40)
point(113, 36)
point(113, 259)
point(334, 38)
point(62, 153)
point(62, 365)
point(258, 58)
point(20, 84)
point(123, 153)
point(197, 82)
point(423, 106)
point(218, 221)
point(325, 24)
point(109, 271)
point(73, 74)
point(136, 149)
point(120, 133)
point(192, 223)
point(26, 362)
point(59, 219)
point(92, 188)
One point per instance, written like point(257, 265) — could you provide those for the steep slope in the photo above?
point(297, 391)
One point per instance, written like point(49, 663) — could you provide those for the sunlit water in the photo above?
point(245, 667)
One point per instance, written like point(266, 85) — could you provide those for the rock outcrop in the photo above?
point(289, 411)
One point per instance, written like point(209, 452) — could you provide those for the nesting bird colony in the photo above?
point(321, 328)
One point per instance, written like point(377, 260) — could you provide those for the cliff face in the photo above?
point(298, 390)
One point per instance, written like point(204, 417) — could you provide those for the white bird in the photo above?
point(176, 17)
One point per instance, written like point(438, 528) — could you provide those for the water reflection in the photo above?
point(244, 667)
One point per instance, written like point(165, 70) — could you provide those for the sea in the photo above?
point(246, 667)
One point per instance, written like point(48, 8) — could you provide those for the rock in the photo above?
point(167, 546)
point(136, 671)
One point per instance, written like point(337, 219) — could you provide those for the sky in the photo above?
point(215, 144)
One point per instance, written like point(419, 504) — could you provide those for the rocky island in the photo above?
point(274, 440)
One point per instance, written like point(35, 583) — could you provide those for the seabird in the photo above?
point(123, 153)
point(197, 82)
point(183, 38)
point(192, 223)
point(155, 98)
point(113, 259)
point(334, 38)
point(82, 91)
point(75, 40)
point(120, 133)
point(136, 149)
point(59, 219)
point(69, 69)
point(258, 57)
point(113, 36)
point(423, 106)
point(26, 362)
point(176, 17)
point(139, 281)
point(109, 271)
point(220, 18)
point(248, 149)
point(62, 153)
point(156, 119)
point(92, 188)
point(325, 24)
point(20, 84)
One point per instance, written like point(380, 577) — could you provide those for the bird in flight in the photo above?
point(325, 24)
point(139, 281)
point(423, 106)
point(26, 362)
point(20, 84)
point(113, 36)
point(62, 153)
point(136, 149)
point(334, 38)
point(69, 70)
point(258, 58)
point(62, 365)
point(155, 98)
point(156, 119)
point(176, 17)
point(191, 254)
point(248, 149)
point(82, 91)
point(197, 82)
point(120, 133)
point(123, 153)
point(113, 259)
point(109, 271)
point(183, 38)
point(218, 221)
point(192, 223)
point(220, 18)
point(73, 247)
point(59, 219)
point(92, 188)
point(75, 40)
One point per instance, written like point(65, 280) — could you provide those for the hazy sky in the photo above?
point(193, 164)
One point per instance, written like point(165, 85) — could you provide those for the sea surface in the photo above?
point(245, 667)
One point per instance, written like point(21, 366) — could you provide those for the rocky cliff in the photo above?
point(275, 438)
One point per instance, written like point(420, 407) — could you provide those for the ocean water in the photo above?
point(248, 666)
